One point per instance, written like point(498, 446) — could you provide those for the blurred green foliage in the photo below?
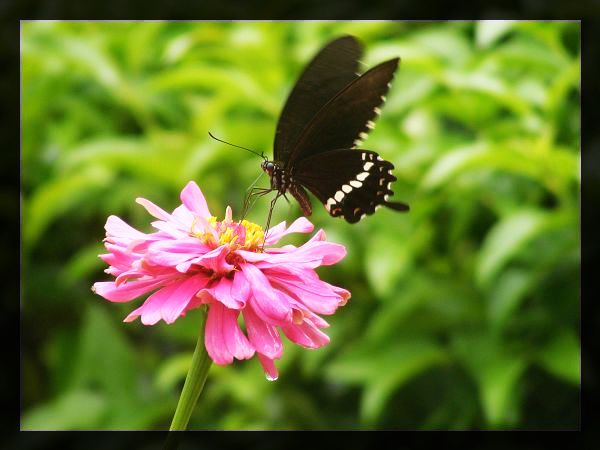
point(465, 311)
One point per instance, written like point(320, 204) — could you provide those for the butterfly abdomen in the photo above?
point(301, 196)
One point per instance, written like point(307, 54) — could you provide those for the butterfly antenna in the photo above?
point(262, 155)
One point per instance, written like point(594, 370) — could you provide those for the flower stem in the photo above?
point(194, 381)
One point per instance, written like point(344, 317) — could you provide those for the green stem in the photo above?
point(194, 381)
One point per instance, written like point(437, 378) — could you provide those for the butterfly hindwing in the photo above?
point(350, 183)
point(330, 71)
point(345, 119)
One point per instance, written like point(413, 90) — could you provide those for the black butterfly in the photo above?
point(330, 109)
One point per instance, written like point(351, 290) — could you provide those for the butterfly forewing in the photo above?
point(348, 116)
point(330, 71)
point(350, 183)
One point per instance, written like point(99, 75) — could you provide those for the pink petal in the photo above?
point(127, 291)
point(221, 292)
point(171, 229)
point(343, 293)
point(240, 289)
point(312, 254)
point(319, 236)
point(306, 334)
point(228, 215)
point(118, 257)
point(263, 336)
point(253, 257)
point(224, 339)
point(129, 275)
point(316, 320)
point(183, 217)
point(175, 251)
point(139, 246)
point(117, 228)
point(169, 302)
point(192, 198)
point(313, 293)
point(154, 210)
point(214, 260)
point(283, 249)
point(300, 225)
point(264, 300)
point(269, 367)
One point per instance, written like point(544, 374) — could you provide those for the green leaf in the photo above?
point(487, 32)
point(117, 153)
point(83, 263)
point(447, 43)
point(105, 358)
point(405, 362)
point(496, 88)
point(56, 197)
point(172, 371)
point(391, 314)
point(384, 369)
point(509, 236)
point(497, 371)
point(79, 409)
point(455, 161)
point(562, 356)
point(387, 260)
point(553, 168)
point(506, 294)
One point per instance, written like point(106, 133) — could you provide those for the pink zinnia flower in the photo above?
point(193, 259)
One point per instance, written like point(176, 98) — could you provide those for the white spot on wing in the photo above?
point(361, 176)
point(379, 158)
point(355, 184)
point(329, 204)
point(339, 195)
point(377, 110)
point(346, 188)
point(383, 98)
point(363, 135)
point(367, 166)
point(370, 125)
point(363, 156)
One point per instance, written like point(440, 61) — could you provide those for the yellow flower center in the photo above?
point(255, 236)
point(238, 235)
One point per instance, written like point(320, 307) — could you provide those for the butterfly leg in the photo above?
point(255, 193)
point(279, 194)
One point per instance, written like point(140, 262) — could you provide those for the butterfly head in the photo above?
point(268, 167)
